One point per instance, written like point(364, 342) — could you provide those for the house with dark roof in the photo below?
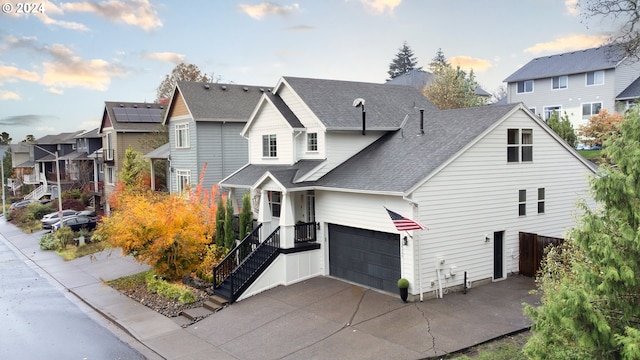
point(42, 158)
point(327, 158)
point(578, 83)
point(204, 121)
point(420, 79)
point(124, 125)
point(86, 165)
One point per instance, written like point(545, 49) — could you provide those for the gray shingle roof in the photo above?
point(419, 79)
point(401, 159)
point(220, 102)
point(600, 58)
point(62, 138)
point(132, 126)
point(286, 112)
point(631, 92)
point(285, 174)
point(162, 152)
point(416, 78)
point(332, 102)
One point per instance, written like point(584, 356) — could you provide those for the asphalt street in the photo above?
point(39, 322)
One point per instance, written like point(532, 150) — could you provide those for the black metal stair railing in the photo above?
point(236, 256)
point(248, 269)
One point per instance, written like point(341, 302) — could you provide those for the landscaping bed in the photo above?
point(135, 287)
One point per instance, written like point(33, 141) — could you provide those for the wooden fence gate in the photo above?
point(532, 251)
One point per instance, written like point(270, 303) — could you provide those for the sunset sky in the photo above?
point(62, 60)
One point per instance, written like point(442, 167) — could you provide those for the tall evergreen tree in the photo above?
point(229, 234)
point(438, 61)
point(562, 126)
point(246, 216)
point(404, 62)
point(590, 290)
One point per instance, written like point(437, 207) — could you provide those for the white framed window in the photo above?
point(595, 78)
point(549, 110)
point(519, 145)
point(312, 142)
point(559, 82)
point(183, 180)
point(590, 109)
point(541, 199)
point(182, 136)
point(110, 177)
point(269, 146)
point(525, 86)
point(109, 146)
point(522, 202)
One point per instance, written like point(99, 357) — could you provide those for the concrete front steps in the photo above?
point(191, 316)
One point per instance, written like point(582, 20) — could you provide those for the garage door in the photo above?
point(370, 258)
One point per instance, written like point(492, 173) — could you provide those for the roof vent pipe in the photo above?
point(359, 102)
point(421, 121)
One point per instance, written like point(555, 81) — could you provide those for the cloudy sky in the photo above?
point(60, 60)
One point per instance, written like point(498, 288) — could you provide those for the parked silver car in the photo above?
point(52, 218)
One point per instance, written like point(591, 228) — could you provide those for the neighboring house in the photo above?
point(578, 83)
point(43, 152)
point(124, 125)
point(22, 167)
point(321, 172)
point(86, 165)
point(204, 122)
point(420, 79)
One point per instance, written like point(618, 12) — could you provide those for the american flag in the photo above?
point(402, 223)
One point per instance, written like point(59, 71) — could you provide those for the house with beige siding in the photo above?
point(204, 121)
point(328, 157)
point(124, 125)
point(578, 84)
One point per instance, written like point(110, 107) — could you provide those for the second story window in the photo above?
point(591, 109)
point(312, 142)
point(269, 146)
point(559, 82)
point(595, 78)
point(525, 86)
point(109, 147)
point(519, 145)
point(182, 136)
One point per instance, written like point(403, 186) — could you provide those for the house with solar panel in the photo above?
point(124, 125)
point(578, 84)
point(330, 161)
point(204, 121)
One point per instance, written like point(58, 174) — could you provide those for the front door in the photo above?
point(498, 255)
point(311, 206)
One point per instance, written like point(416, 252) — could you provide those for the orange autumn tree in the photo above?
point(168, 232)
point(602, 126)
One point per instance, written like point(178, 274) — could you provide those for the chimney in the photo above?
point(421, 121)
point(364, 119)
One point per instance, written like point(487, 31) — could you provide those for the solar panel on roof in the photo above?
point(135, 115)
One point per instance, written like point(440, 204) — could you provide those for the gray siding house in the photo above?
point(204, 123)
point(578, 83)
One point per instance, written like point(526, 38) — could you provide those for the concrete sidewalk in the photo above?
point(321, 318)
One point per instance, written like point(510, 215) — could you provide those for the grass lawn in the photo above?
point(590, 154)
